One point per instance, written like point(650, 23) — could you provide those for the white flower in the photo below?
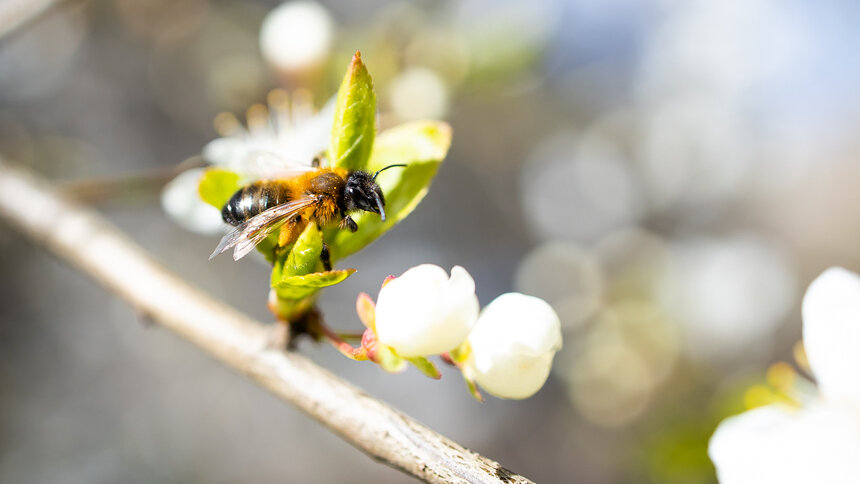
point(286, 135)
point(831, 335)
point(424, 312)
point(296, 36)
point(513, 344)
point(181, 201)
point(819, 442)
point(283, 137)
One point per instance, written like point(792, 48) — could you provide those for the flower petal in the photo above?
point(513, 344)
point(831, 333)
point(181, 201)
point(778, 444)
point(423, 312)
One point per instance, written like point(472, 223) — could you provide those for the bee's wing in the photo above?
point(251, 232)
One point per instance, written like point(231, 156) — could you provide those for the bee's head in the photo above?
point(363, 193)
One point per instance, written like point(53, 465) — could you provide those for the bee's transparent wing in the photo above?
point(247, 235)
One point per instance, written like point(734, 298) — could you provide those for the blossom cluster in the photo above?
point(507, 348)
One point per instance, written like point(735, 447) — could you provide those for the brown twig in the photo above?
point(88, 242)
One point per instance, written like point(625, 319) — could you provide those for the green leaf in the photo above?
point(217, 186)
point(388, 360)
point(299, 287)
point(413, 142)
point(421, 146)
point(302, 258)
point(425, 366)
point(354, 124)
point(473, 390)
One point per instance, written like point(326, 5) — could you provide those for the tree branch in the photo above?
point(91, 244)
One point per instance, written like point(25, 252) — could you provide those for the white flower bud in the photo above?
point(513, 344)
point(423, 312)
point(296, 35)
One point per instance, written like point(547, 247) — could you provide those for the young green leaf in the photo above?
point(425, 366)
point(388, 360)
point(302, 258)
point(299, 287)
point(421, 146)
point(473, 390)
point(354, 124)
point(413, 142)
point(217, 186)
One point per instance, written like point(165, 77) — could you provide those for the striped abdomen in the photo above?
point(254, 199)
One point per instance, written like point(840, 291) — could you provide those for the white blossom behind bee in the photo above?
point(284, 137)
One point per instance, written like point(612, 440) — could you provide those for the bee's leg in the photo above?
point(290, 231)
point(325, 257)
point(348, 223)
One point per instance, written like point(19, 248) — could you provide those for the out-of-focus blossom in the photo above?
point(724, 48)
point(729, 293)
point(820, 441)
point(694, 152)
point(620, 362)
point(568, 276)
point(286, 134)
point(424, 312)
point(512, 346)
point(418, 93)
point(589, 177)
point(296, 36)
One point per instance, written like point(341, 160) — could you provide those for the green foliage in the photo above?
point(425, 366)
point(217, 186)
point(421, 146)
point(294, 276)
point(303, 258)
point(300, 287)
point(354, 146)
point(388, 360)
point(354, 124)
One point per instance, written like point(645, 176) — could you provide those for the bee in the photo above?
point(316, 195)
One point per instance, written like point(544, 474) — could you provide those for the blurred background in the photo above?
point(669, 175)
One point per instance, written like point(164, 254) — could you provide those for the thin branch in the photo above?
point(91, 244)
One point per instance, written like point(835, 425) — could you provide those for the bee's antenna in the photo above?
point(380, 171)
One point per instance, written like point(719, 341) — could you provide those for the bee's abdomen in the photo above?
point(252, 200)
